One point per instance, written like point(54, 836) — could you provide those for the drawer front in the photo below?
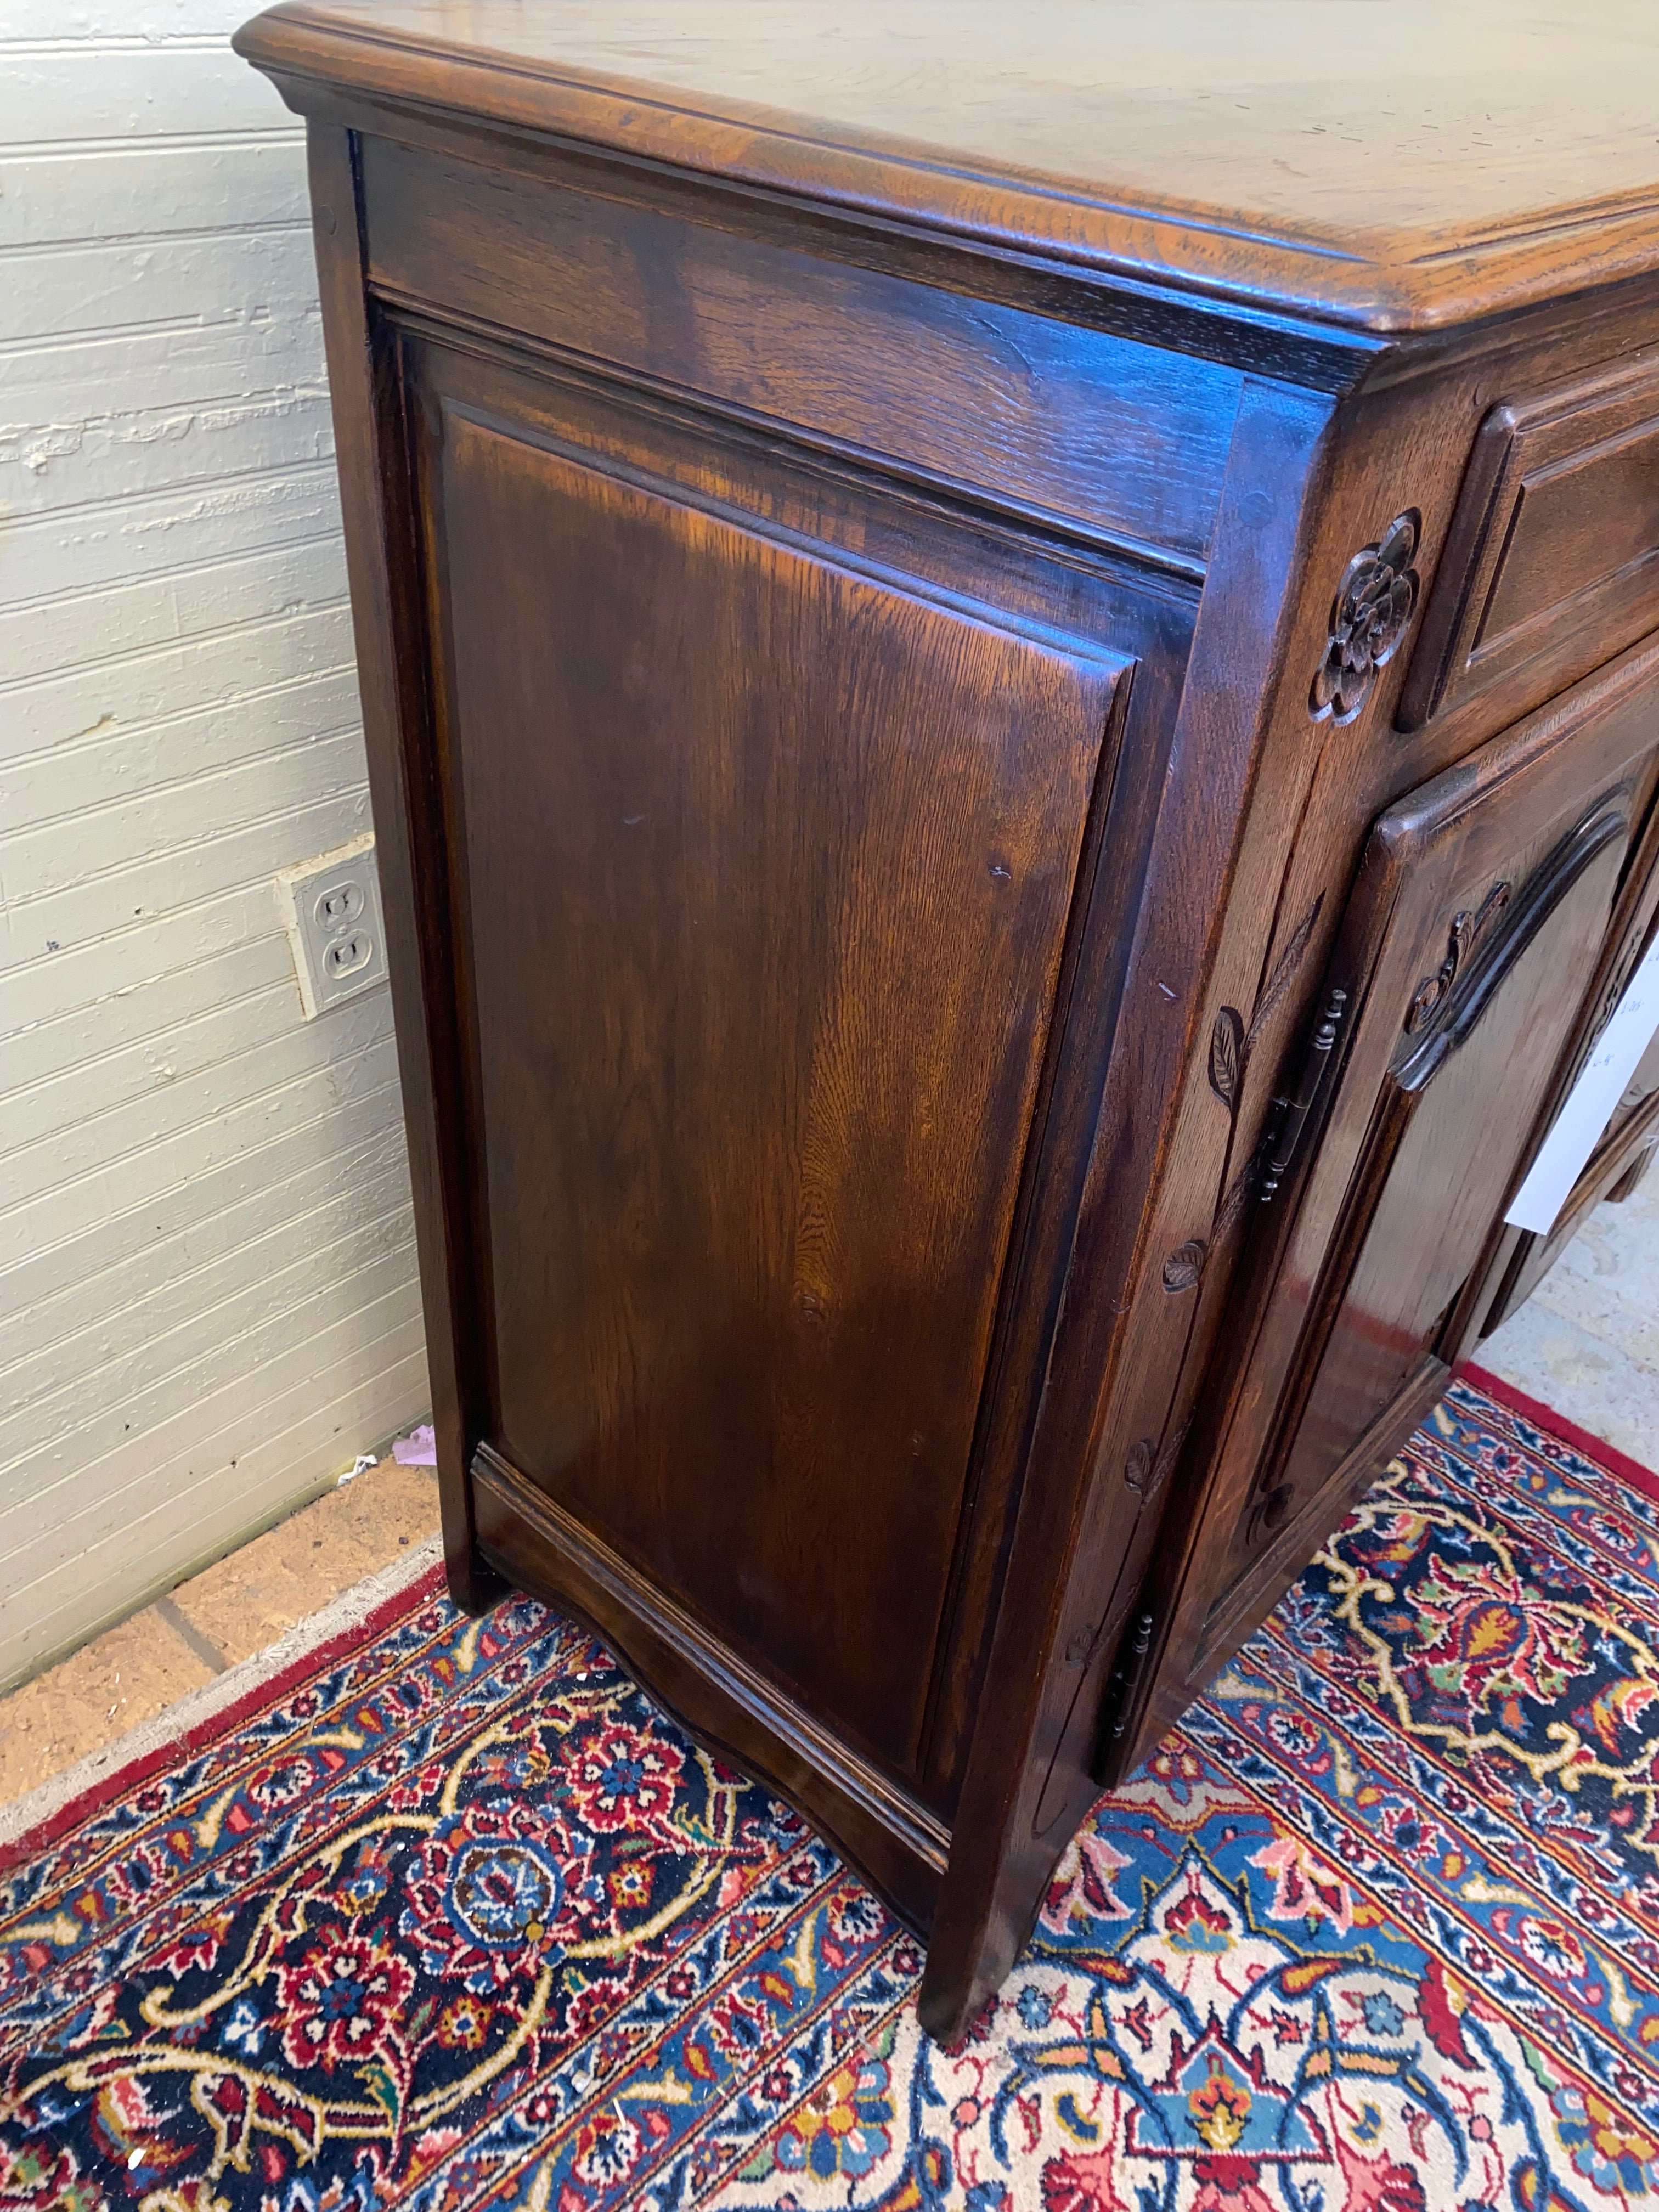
point(1082, 430)
point(1552, 564)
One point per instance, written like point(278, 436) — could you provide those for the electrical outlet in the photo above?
point(331, 906)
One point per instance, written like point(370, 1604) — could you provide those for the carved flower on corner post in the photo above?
point(1368, 615)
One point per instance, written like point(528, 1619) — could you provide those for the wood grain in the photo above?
point(1441, 164)
point(1424, 1135)
point(1552, 560)
point(1018, 409)
point(756, 1047)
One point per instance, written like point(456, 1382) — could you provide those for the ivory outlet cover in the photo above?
point(332, 909)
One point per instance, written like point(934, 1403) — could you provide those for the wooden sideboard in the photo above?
point(1008, 664)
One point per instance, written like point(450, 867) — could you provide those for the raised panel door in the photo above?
point(763, 870)
point(1405, 1121)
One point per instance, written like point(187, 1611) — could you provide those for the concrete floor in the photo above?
point(1586, 1342)
point(239, 1605)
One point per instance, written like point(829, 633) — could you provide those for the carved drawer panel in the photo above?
point(1552, 565)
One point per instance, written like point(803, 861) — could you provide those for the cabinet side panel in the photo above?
point(768, 867)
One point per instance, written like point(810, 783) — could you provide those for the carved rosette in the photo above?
point(1368, 615)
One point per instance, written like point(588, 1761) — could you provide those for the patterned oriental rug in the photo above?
point(462, 1920)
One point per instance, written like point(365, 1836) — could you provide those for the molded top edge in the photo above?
point(1389, 166)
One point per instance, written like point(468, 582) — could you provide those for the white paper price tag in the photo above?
point(1578, 1127)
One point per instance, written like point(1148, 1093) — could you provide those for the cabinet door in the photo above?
point(1467, 948)
point(1446, 1132)
point(1521, 1258)
point(764, 861)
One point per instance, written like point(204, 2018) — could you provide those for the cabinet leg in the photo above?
point(969, 1959)
point(474, 1584)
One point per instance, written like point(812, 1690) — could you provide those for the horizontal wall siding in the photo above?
point(208, 1295)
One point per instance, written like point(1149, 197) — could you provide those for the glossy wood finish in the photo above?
point(751, 1163)
point(1552, 563)
point(1004, 406)
point(1149, 144)
point(923, 612)
point(1482, 904)
point(1458, 967)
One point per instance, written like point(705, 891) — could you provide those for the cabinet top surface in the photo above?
point(1386, 164)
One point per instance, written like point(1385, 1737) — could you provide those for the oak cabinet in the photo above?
point(1013, 747)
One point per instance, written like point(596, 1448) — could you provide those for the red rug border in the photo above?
point(1556, 1424)
point(31, 1842)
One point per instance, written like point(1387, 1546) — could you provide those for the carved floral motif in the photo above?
point(1466, 932)
point(1368, 615)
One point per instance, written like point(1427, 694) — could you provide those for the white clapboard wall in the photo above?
point(208, 1295)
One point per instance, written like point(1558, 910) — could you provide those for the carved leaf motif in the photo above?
point(1227, 1055)
point(1169, 1456)
point(1465, 933)
point(1146, 1475)
point(1239, 1192)
point(1184, 1265)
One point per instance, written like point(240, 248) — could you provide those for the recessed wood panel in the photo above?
point(1576, 526)
point(1551, 563)
point(1518, 1259)
point(767, 868)
point(1448, 1135)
